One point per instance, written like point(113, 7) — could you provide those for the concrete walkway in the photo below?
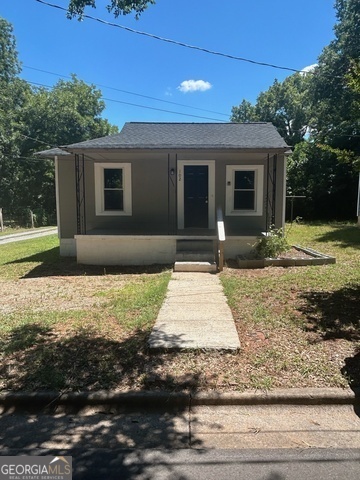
point(194, 315)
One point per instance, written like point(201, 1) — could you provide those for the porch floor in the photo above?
point(194, 315)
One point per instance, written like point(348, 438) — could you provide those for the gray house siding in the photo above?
point(149, 195)
point(66, 197)
point(154, 192)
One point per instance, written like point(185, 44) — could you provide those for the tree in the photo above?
point(9, 63)
point(353, 80)
point(319, 114)
point(69, 113)
point(284, 104)
point(329, 186)
point(117, 7)
point(244, 113)
point(33, 119)
point(334, 96)
point(13, 94)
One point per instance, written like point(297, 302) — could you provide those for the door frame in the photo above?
point(211, 190)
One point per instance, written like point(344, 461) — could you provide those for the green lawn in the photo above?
point(302, 325)
point(20, 258)
point(70, 327)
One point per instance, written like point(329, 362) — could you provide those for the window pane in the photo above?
point(244, 180)
point(114, 199)
point(113, 178)
point(244, 200)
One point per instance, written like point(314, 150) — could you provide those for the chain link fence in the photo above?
point(26, 218)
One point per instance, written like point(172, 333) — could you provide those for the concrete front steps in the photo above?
point(195, 256)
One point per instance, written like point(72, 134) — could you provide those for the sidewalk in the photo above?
point(310, 418)
point(194, 315)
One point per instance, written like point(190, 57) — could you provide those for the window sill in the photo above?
point(245, 213)
point(113, 213)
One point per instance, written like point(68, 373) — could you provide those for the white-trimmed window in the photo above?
point(113, 189)
point(244, 189)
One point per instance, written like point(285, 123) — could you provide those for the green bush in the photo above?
point(272, 245)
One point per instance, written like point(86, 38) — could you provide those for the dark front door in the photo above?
point(196, 192)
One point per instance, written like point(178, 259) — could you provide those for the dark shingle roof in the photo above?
point(188, 135)
point(53, 152)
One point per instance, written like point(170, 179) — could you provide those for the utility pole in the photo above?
point(358, 204)
point(292, 198)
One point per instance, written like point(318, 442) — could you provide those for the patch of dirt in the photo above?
point(295, 253)
point(55, 293)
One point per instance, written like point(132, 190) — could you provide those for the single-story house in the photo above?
point(156, 190)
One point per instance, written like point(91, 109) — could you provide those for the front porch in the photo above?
point(111, 249)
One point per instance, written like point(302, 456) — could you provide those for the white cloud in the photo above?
point(194, 86)
point(309, 68)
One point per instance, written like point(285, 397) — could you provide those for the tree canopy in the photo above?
point(334, 97)
point(284, 104)
point(318, 114)
point(33, 119)
point(117, 7)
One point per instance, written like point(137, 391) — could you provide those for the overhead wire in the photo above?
point(164, 110)
point(171, 41)
point(37, 140)
point(176, 42)
point(129, 92)
point(147, 106)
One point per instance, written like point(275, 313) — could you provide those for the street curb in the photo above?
point(296, 396)
point(76, 402)
point(50, 401)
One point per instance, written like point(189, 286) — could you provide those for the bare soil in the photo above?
point(59, 293)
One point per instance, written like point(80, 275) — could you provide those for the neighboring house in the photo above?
point(156, 189)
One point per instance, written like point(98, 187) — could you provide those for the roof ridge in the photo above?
point(198, 123)
point(189, 135)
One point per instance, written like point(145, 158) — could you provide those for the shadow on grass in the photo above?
point(51, 264)
point(344, 236)
point(335, 314)
point(38, 360)
point(351, 371)
point(86, 361)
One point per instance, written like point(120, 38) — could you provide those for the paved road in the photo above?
point(187, 464)
point(268, 442)
point(17, 237)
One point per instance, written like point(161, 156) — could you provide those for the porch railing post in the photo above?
point(80, 194)
point(221, 238)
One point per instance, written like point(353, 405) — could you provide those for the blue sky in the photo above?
point(282, 32)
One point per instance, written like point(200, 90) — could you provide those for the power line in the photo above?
point(175, 42)
point(130, 93)
point(37, 140)
point(180, 113)
point(163, 110)
point(146, 106)
point(40, 84)
point(39, 159)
